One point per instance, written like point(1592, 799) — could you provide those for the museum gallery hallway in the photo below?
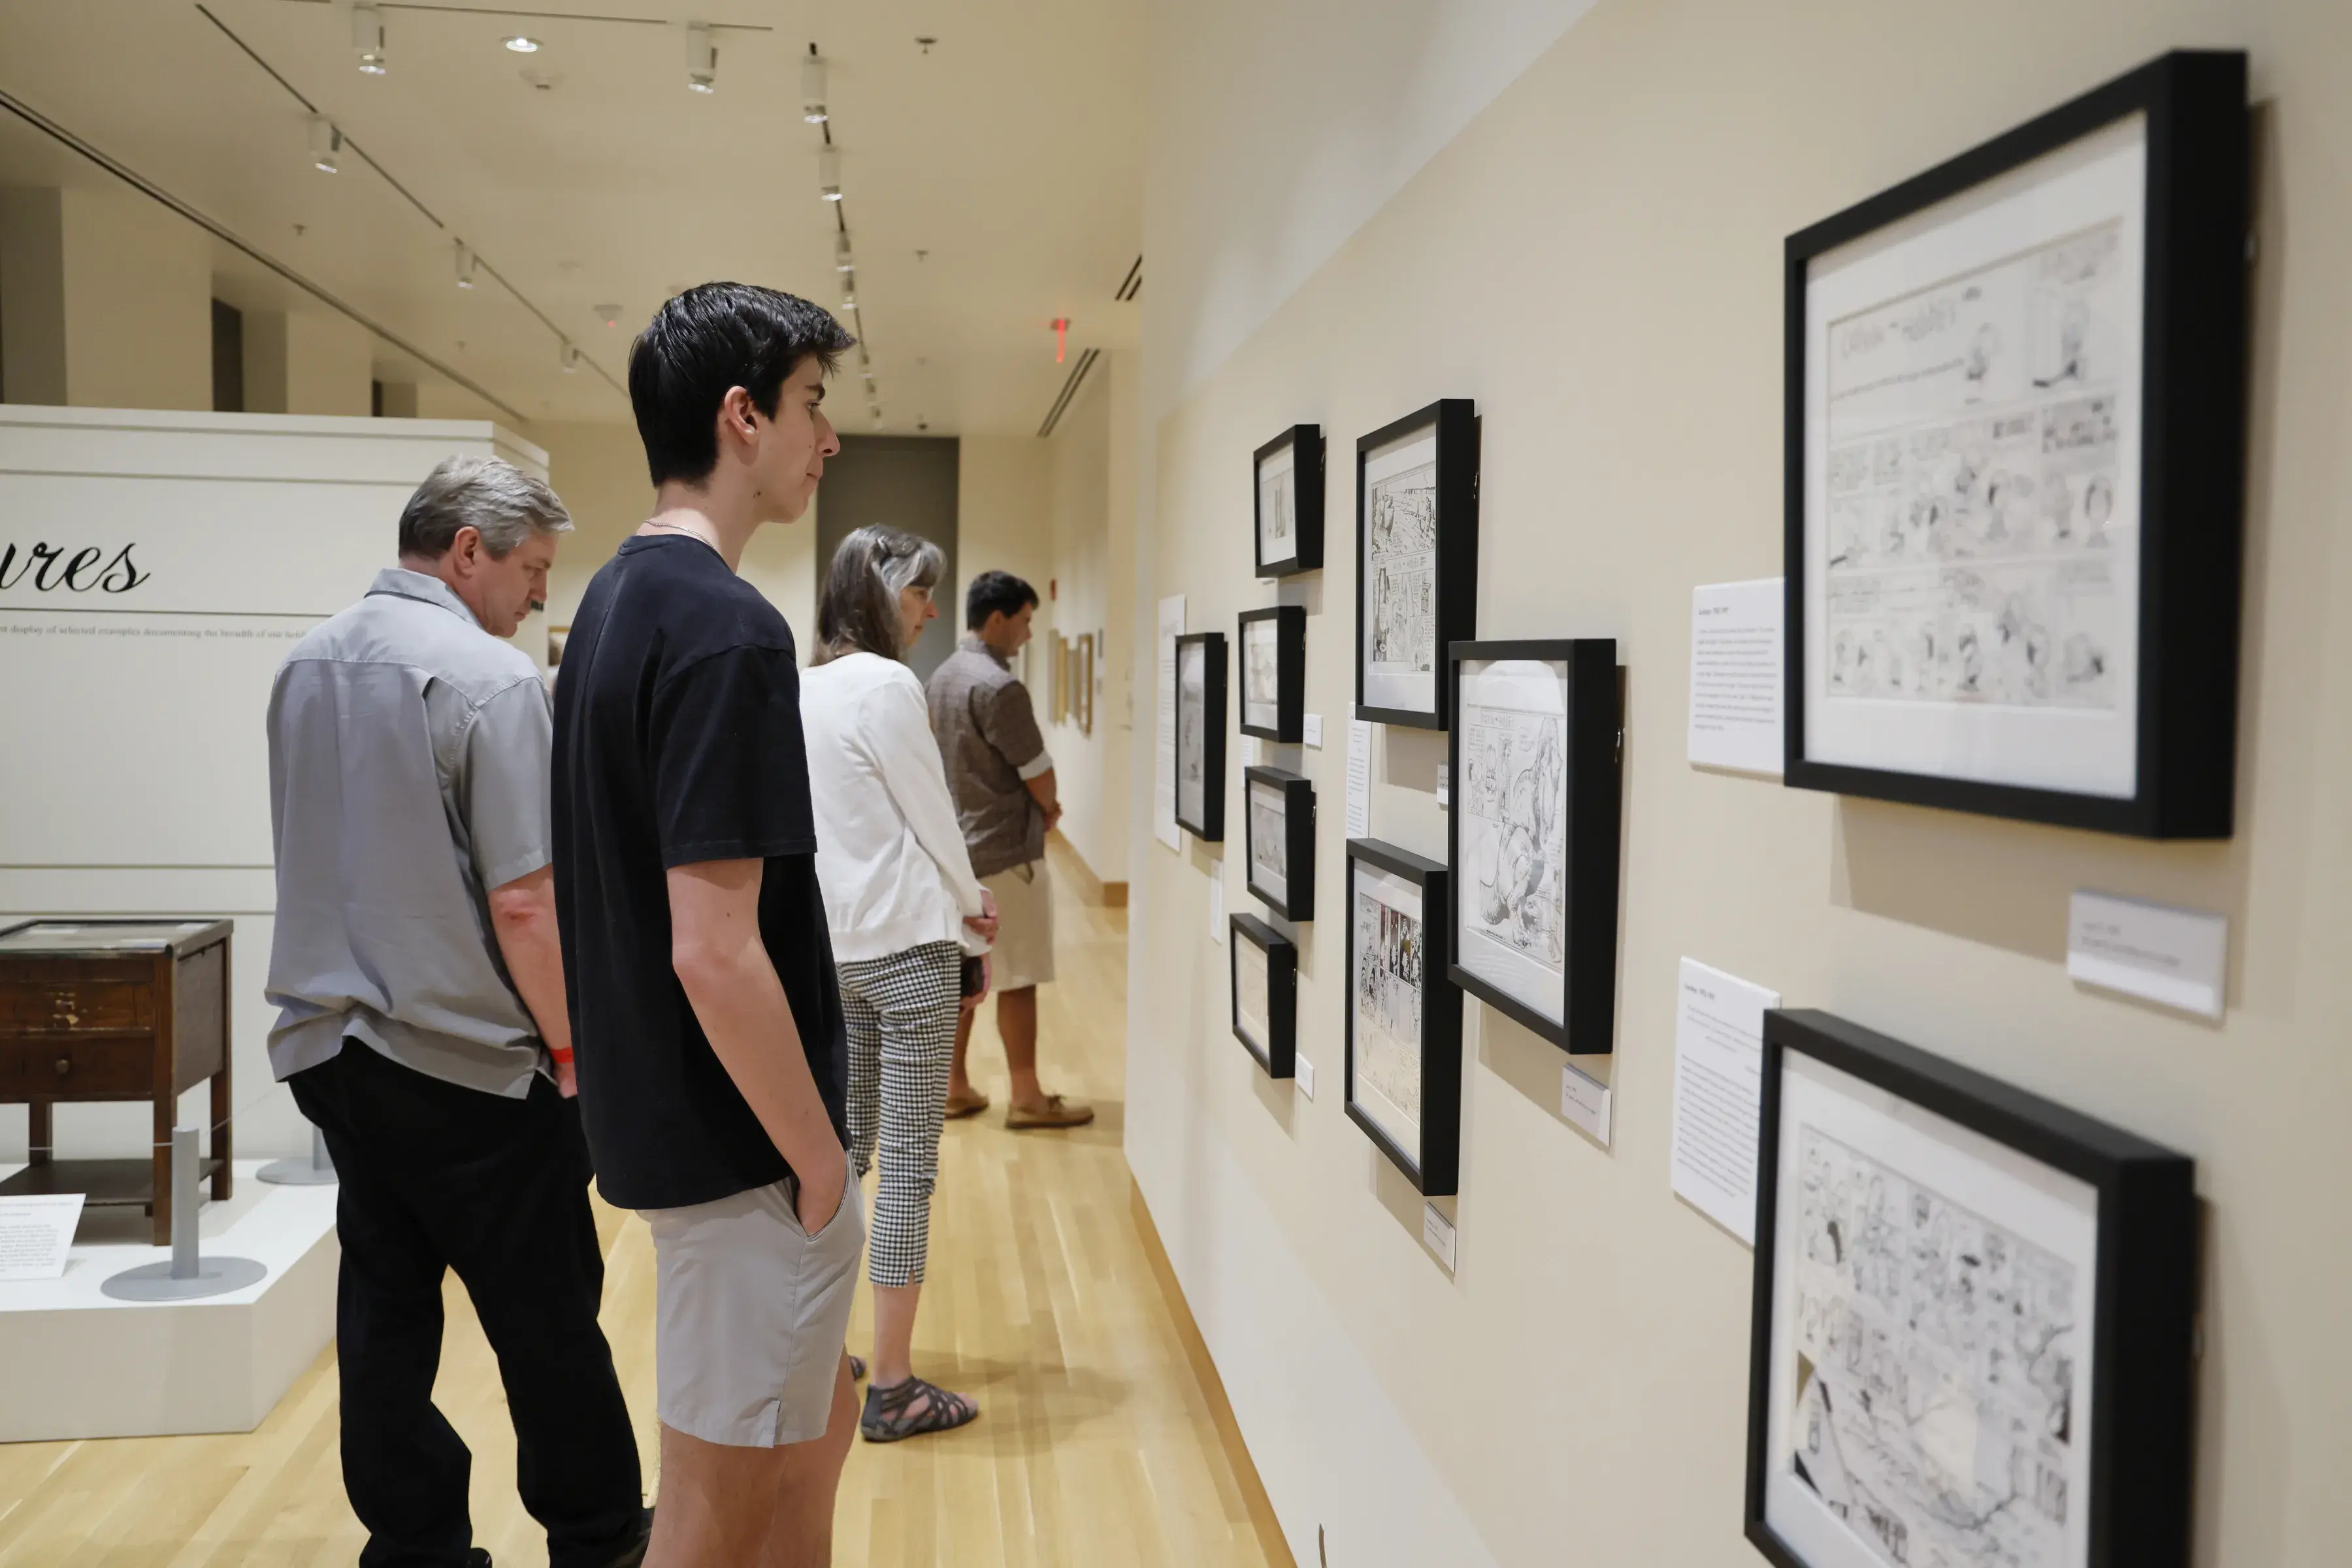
point(1102, 1438)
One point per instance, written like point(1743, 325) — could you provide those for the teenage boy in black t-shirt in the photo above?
point(706, 1023)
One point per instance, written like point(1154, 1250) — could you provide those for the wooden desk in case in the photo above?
point(128, 1009)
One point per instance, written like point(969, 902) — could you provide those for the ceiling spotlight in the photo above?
point(522, 45)
point(875, 410)
point(367, 38)
point(465, 265)
point(841, 261)
point(812, 88)
point(701, 59)
point(828, 172)
point(571, 359)
point(608, 314)
point(326, 142)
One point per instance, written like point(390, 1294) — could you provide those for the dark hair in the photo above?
point(703, 341)
point(859, 611)
point(999, 591)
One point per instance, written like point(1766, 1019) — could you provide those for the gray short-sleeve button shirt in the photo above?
point(409, 756)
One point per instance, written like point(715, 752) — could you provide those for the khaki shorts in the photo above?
point(749, 1315)
point(1023, 952)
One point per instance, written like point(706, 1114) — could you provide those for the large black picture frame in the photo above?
point(1209, 825)
point(1453, 421)
point(1436, 1171)
point(1306, 445)
point(1278, 1054)
point(2142, 1321)
point(1289, 622)
point(1590, 803)
point(2192, 473)
point(1296, 900)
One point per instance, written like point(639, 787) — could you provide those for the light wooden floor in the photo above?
point(1103, 1437)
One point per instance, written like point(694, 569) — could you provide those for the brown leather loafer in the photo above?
point(1055, 1112)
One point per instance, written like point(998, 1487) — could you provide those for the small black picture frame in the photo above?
point(2015, 468)
point(1271, 647)
point(1286, 488)
point(1200, 713)
point(2047, 1241)
point(1279, 839)
point(1538, 792)
point(1396, 972)
point(1416, 560)
point(1278, 1053)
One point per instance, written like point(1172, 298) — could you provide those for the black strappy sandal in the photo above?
point(857, 1369)
point(886, 1419)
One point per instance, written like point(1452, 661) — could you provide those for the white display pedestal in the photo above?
point(82, 1364)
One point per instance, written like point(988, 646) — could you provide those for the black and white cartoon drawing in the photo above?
point(1935, 1408)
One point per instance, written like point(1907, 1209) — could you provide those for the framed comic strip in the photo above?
point(2016, 409)
point(1416, 560)
point(1265, 977)
point(1287, 515)
point(1974, 1319)
point(1404, 1017)
point(1278, 838)
point(1274, 673)
point(1200, 735)
point(1532, 833)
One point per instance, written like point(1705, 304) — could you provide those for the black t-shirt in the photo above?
point(677, 741)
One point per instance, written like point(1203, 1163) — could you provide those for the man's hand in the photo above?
point(567, 1080)
point(1043, 790)
point(817, 1195)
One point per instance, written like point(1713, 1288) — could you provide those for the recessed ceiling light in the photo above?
point(701, 59)
point(522, 45)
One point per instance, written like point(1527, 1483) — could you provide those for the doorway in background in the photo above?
point(908, 482)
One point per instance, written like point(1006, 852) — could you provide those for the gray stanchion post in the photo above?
point(187, 1275)
point(184, 1202)
point(318, 1171)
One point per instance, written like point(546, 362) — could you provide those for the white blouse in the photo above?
point(891, 853)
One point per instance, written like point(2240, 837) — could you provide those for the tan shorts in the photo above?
point(750, 1316)
point(1023, 952)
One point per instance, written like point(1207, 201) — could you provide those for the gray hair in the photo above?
point(859, 612)
point(489, 495)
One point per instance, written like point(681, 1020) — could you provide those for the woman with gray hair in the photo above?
point(904, 911)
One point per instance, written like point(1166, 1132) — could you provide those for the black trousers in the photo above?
point(436, 1176)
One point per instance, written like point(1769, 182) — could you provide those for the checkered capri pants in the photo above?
point(901, 1012)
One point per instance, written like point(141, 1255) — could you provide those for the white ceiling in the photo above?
point(1010, 152)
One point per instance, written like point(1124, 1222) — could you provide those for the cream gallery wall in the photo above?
point(1548, 1357)
point(154, 569)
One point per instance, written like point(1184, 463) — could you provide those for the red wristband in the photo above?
point(561, 1054)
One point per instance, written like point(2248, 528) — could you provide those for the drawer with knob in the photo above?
point(70, 1069)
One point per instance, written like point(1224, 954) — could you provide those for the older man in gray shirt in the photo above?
point(422, 1027)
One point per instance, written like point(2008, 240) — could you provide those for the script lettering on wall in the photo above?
point(48, 568)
